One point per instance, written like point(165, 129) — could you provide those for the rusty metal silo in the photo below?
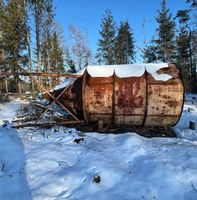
point(140, 95)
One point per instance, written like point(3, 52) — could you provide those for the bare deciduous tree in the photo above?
point(78, 55)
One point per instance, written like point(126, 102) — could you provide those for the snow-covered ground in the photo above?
point(46, 164)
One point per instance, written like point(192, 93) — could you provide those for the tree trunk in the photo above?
point(16, 69)
point(30, 63)
point(29, 48)
point(6, 86)
point(6, 79)
point(38, 49)
point(49, 79)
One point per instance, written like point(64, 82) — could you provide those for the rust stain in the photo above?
point(131, 102)
point(98, 98)
point(172, 103)
point(128, 93)
point(166, 96)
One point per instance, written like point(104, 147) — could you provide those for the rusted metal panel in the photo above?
point(130, 100)
point(165, 99)
point(72, 98)
point(160, 120)
point(97, 98)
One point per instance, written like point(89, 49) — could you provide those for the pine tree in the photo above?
point(166, 35)
point(124, 46)
point(193, 5)
point(183, 47)
point(105, 51)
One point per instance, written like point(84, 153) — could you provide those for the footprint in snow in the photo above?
point(92, 175)
point(64, 164)
point(63, 194)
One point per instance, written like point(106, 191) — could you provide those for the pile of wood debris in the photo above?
point(42, 114)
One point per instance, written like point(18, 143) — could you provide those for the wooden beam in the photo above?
point(16, 94)
point(39, 74)
point(70, 122)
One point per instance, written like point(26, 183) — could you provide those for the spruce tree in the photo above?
point(57, 62)
point(70, 62)
point(166, 35)
point(149, 53)
point(105, 51)
point(124, 46)
point(14, 36)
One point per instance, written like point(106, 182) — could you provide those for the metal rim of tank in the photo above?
point(183, 97)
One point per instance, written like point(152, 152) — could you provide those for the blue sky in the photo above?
point(87, 14)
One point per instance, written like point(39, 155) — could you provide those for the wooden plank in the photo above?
point(39, 74)
point(48, 124)
point(16, 94)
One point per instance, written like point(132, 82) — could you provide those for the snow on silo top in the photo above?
point(67, 82)
point(122, 71)
point(129, 70)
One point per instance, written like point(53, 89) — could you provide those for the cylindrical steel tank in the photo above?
point(140, 95)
